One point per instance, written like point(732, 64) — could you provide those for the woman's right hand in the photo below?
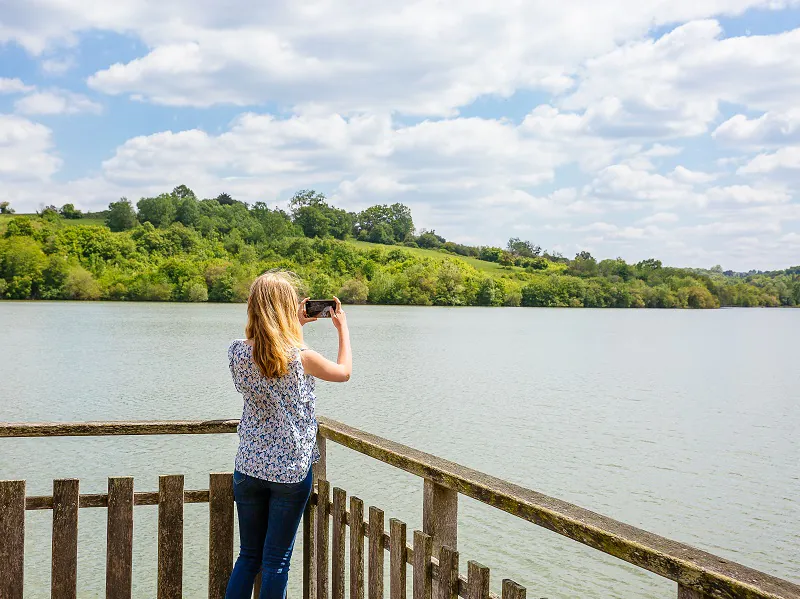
point(338, 317)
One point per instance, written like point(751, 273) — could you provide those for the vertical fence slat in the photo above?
point(220, 533)
point(511, 590)
point(64, 572)
point(376, 549)
point(170, 536)
point(477, 581)
point(12, 538)
point(448, 573)
point(257, 586)
point(323, 529)
point(309, 551)
point(119, 539)
point(356, 548)
point(397, 559)
point(422, 565)
point(337, 543)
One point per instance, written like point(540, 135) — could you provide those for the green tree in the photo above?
point(526, 249)
point(307, 198)
point(354, 291)
point(429, 239)
point(584, 265)
point(121, 216)
point(225, 199)
point(187, 211)
point(5, 208)
point(69, 211)
point(381, 233)
point(183, 193)
point(21, 264)
point(160, 210)
point(81, 285)
point(491, 254)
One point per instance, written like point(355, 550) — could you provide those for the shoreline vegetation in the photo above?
point(175, 247)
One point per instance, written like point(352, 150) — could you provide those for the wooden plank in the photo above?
point(440, 515)
point(423, 546)
point(397, 559)
point(220, 533)
point(323, 530)
point(45, 502)
point(170, 536)
point(699, 570)
point(448, 573)
point(376, 549)
point(357, 530)
point(309, 549)
point(477, 580)
point(64, 569)
point(511, 590)
point(119, 538)
point(338, 543)
point(112, 428)
point(12, 538)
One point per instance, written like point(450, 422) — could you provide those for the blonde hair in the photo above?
point(272, 322)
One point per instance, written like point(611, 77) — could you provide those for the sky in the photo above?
point(629, 128)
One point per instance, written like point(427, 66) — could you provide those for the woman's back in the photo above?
point(277, 432)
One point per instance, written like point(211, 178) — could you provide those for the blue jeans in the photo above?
point(269, 514)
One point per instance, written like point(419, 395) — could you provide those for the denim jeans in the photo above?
point(269, 514)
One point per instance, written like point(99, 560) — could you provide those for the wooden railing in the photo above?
point(433, 554)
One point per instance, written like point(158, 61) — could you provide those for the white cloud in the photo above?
point(685, 175)
point(59, 66)
point(416, 58)
point(673, 86)
point(621, 181)
point(13, 86)
point(660, 218)
point(771, 128)
point(785, 159)
point(56, 102)
point(26, 150)
point(744, 194)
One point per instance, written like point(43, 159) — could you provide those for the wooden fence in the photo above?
point(432, 555)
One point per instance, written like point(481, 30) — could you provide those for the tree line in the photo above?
point(176, 247)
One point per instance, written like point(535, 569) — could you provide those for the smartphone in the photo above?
point(320, 308)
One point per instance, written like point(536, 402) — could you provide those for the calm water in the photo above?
point(683, 423)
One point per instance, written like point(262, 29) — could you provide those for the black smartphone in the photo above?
point(320, 308)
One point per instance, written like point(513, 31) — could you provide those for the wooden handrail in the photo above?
point(689, 567)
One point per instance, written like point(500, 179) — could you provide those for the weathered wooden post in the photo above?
point(440, 520)
point(319, 471)
point(440, 515)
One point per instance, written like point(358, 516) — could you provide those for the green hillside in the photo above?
point(174, 247)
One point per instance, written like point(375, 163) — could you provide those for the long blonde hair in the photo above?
point(272, 322)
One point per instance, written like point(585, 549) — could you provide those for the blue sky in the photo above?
point(631, 129)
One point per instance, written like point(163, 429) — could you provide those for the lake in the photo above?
point(684, 423)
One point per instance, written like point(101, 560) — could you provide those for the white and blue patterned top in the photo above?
point(278, 429)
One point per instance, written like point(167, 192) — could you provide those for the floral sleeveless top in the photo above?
point(278, 429)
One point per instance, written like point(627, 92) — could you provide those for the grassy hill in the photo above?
point(58, 258)
point(490, 268)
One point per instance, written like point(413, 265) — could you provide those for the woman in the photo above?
point(275, 374)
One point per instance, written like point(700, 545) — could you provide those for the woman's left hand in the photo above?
point(301, 313)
